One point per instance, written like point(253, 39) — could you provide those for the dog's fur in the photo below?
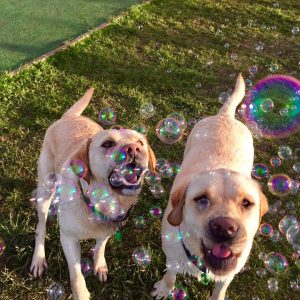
point(217, 164)
point(77, 137)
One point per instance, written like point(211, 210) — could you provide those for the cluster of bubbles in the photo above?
point(273, 106)
point(141, 256)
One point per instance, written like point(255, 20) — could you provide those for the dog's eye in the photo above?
point(108, 144)
point(246, 203)
point(202, 202)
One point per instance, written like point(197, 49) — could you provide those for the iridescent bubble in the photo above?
point(155, 211)
point(103, 204)
point(295, 30)
point(116, 180)
point(265, 229)
point(283, 112)
point(118, 156)
point(282, 90)
point(152, 177)
point(293, 236)
point(260, 272)
point(147, 110)
point(296, 167)
point(180, 119)
point(176, 168)
point(180, 293)
point(273, 68)
point(276, 263)
point(74, 167)
point(169, 131)
point(267, 105)
point(141, 257)
point(166, 172)
point(223, 97)
point(2, 246)
point(260, 171)
point(275, 161)
point(86, 266)
point(40, 194)
point(56, 291)
point(161, 163)
point(107, 116)
point(295, 284)
point(279, 185)
point(259, 47)
point(52, 211)
point(198, 85)
point(50, 182)
point(192, 122)
point(141, 128)
point(248, 83)
point(139, 222)
point(273, 285)
point(253, 70)
point(67, 190)
point(226, 45)
point(285, 152)
point(285, 223)
point(157, 190)
point(295, 187)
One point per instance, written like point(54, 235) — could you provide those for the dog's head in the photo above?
point(118, 158)
point(222, 209)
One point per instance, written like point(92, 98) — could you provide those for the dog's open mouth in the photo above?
point(219, 259)
point(126, 179)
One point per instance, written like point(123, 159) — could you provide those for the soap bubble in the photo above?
point(107, 116)
point(296, 167)
point(176, 168)
point(259, 47)
point(169, 131)
point(152, 177)
point(86, 266)
point(73, 168)
point(223, 97)
point(279, 185)
point(295, 30)
point(275, 161)
point(198, 85)
point(139, 222)
point(166, 172)
point(273, 67)
point(260, 272)
point(293, 236)
point(234, 56)
point(285, 152)
point(273, 285)
point(56, 291)
point(253, 70)
point(283, 112)
point(161, 163)
point(50, 182)
point(2, 246)
point(40, 194)
point(67, 190)
point(260, 171)
point(155, 211)
point(53, 211)
point(147, 110)
point(295, 284)
point(265, 229)
point(226, 45)
point(285, 223)
point(141, 257)
point(275, 236)
point(267, 105)
point(276, 263)
point(157, 190)
point(179, 293)
point(141, 128)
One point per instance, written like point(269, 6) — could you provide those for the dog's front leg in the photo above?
point(220, 289)
point(163, 287)
point(71, 249)
point(100, 267)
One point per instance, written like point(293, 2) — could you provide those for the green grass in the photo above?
point(31, 28)
point(155, 53)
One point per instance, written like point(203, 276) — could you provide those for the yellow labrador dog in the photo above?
point(215, 207)
point(77, 138)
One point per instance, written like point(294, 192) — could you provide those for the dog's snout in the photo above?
point(132, 149)
point(223, 228)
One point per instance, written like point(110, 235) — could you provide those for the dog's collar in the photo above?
point(194, 259)
point(119, 219)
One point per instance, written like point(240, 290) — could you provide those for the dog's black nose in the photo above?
point(223, 228)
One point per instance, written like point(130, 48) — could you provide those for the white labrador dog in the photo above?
point(215, 207)
point(72, 138)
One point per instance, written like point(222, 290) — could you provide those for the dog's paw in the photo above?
point(160, 290)
point(101, 270)
point(38, 265)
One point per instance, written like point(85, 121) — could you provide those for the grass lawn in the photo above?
point(32, 28)
point(157, 53)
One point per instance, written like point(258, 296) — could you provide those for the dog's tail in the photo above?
point(78, 107)
point(229, 107)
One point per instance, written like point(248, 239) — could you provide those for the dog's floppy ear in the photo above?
point(177, 199)
point(151, 158)
point(82, 154)
point(264, 206)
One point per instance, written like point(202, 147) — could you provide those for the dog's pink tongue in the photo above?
point(131, 178)
point(221, 251)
